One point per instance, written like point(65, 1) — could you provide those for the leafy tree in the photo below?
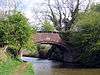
point(47, 26)
point(16, 32)
point(2, 34)
point(21, 33)
point(95, 8)
point(86, 36)
point(62, 13)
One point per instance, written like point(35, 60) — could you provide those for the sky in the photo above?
point(96, 0)
point(30, 4)
point(26, 7)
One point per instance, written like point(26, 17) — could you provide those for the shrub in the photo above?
point(86, 37)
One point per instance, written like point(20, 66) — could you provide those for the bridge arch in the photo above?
point(52, 38)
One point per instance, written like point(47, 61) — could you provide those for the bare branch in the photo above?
point(60, 14)
point(53, 18)
point(63, 13)
point(88, 5)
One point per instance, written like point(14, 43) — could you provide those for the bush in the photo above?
point(86, 37)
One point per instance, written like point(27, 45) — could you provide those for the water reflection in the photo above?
point(48, 67)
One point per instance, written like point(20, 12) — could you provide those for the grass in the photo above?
point(9, 66)
point(29, 70)
point(13, 67)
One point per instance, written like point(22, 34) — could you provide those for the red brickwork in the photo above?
point(48, 38)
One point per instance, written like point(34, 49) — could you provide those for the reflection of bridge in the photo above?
point(48, 38)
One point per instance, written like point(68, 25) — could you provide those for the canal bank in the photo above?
point(14, 67)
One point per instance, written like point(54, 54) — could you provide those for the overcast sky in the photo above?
point(28, 5)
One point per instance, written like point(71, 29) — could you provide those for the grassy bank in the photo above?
point(28, 70)
point(13, 67)
point(9, 66)
point(3, 55)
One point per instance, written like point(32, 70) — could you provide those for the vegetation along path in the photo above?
point(23, 69)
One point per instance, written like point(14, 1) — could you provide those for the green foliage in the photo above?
point(86, 36)
point(3, 26)
point(47, 26)
point(96, 8)
point(21, 32)
point(15, 31)
point(8, 67)
point(66, 36)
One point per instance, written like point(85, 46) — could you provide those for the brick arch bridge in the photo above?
point(54, 38)
point(49, 38)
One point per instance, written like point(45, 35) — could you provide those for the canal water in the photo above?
point(49, 67)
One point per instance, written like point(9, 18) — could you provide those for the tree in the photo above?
point(16, 32)
point(63, 13)
point(86, 36)
point(21, 33)
point(47, 26)
point(67, 12)
point(95, 8)
point(9, 6)
point(2, 32)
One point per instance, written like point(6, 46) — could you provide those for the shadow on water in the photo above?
point(49, 67)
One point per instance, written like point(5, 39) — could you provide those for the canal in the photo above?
point(49, 67)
